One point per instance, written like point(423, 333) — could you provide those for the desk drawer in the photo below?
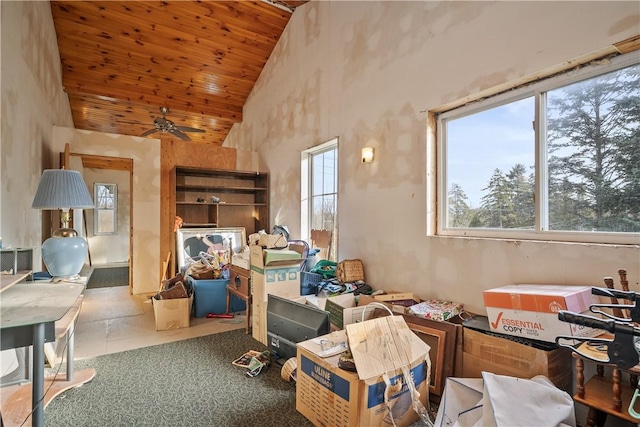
point(240, 279)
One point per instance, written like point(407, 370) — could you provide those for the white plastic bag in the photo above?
point(504, 402)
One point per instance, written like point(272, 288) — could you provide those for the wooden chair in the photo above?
point(321, 239)
point(605, 393)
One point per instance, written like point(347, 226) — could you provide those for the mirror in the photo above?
point(191, 241)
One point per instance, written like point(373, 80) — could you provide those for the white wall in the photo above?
point(109, 248)
point(33, 101)
point(145, 153)
point(367, 72)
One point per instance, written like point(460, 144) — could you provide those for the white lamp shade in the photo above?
point(64, 256)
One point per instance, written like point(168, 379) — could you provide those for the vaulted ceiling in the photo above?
point(124, 60)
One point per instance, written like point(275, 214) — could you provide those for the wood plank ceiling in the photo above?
point(123, 60)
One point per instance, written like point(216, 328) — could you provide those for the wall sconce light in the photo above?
point(367, 155)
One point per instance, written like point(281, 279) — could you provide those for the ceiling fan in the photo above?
point(164, 125)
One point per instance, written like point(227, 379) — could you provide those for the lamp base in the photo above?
point(65, 232)
point(64, 257)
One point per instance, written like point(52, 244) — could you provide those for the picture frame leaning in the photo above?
point(190, 241)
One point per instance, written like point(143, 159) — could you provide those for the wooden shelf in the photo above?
point(218, 189)
point(244, 198)
point(597, 392)
point(220, 204)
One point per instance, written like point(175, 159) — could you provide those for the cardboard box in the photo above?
point(346, 309)
point(483, 352)
point(435, 309)
point(330, 396)
point(272, 272)
point(398, 302)
point(531, 311)
point(172, 313)
point(398, 296)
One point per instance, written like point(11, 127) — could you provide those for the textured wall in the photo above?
point(367, 72)
point(145, 153)
point(109, 248)
point(32, 101)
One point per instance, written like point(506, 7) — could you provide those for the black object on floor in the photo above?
point(108, 277)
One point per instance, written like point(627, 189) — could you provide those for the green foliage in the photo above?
point(593, 137)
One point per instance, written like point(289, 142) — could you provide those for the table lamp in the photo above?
point(64, 252)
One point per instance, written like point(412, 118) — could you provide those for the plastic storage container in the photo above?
point(309, 282)
point(210, 296)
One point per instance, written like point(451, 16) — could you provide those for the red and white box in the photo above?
point(531, 311)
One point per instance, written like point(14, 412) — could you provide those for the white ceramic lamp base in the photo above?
point(64, 256)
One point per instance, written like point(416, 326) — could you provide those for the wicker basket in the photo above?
point(350, 270)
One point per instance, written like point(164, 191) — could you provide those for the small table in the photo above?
point(239, 285)
point(28, 315)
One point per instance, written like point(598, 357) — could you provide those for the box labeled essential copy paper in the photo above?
point(531, 311)
point(330, 396)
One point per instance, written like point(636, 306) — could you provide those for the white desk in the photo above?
point(28, 312)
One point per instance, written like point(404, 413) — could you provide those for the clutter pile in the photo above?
point(176, 287)
point(254, 362)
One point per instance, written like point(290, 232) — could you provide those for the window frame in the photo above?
point(306, 189)
point(97, 210)
point(538, 90)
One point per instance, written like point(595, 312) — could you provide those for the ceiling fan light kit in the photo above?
point(164, 125)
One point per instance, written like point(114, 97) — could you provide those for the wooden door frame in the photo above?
point(111, 163)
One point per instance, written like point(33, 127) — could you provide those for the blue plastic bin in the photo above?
point(210, 296)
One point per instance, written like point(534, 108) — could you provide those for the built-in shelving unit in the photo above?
point(222, 198)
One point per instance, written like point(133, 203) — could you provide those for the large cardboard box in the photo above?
point(172, 313)
point(491, 353)
point(330, 396)
point(531, 311)
point(274, 272)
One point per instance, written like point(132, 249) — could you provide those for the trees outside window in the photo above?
point(556, 160)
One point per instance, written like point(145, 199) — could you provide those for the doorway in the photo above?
point(112, 250)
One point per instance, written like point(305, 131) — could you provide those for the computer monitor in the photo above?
point(290, 322)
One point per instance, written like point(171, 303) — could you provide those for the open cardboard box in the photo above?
point(328, 395)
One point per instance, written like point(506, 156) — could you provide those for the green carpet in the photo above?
point(185, 383)
point(108, 277)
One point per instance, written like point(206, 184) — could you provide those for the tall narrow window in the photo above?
point(105, 213)
point(319, 186)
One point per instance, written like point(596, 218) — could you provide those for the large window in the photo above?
point(556, 160)
point(319, 189)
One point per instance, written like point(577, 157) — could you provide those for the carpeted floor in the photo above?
point(108, 277)
point(185, 383)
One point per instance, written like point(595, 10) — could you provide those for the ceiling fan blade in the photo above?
point(149, 132)
point(188, 129)
point(179, 134)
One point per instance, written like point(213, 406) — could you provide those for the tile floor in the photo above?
point(111, 321)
